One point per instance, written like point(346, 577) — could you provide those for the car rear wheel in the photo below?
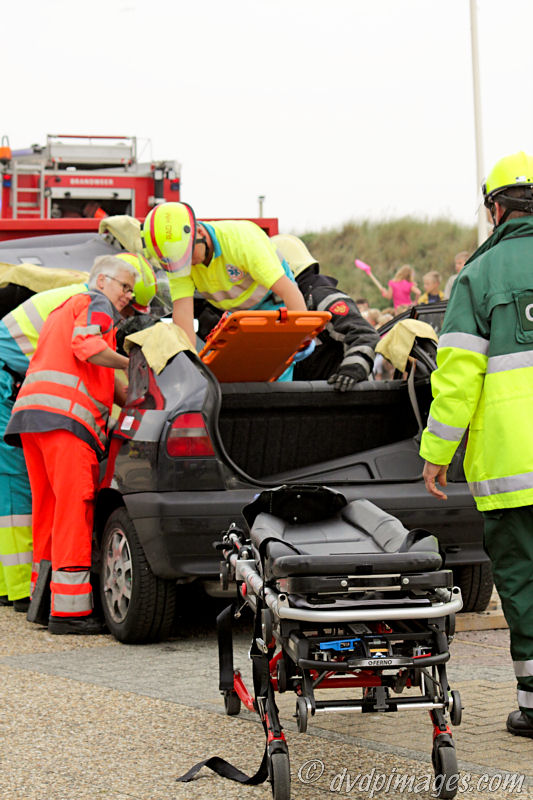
point(476, 585)
point(138, 606)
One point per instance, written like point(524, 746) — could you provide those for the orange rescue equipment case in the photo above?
point(259, 345)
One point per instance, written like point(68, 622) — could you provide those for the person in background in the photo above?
point(19, 333)
point(372, 316)
point(483, 384)
point(93, 210)
point(432, 293)
point(60, 416)
point(362, 304)
point(460, 260)
point(344, 353)
point(402, 287)
point(400, 310)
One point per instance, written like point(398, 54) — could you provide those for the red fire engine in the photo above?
point(70, 183)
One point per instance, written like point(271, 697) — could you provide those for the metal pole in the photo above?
point(482, 227)
point(261, 200)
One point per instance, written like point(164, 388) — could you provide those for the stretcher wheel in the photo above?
point(232, 703)
point(224, 575)
point(280, 776)
point(281, 675)
point(456, 709)
point(266, 625)
point(446, 771)
point(302, 714)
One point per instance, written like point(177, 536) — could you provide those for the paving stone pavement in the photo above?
point(87, 718)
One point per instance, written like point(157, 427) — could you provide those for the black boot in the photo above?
point(5, 601)
point(519, 724)
point(21, 605)
point(81, 626)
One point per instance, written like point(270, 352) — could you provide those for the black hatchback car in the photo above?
point(187, 453)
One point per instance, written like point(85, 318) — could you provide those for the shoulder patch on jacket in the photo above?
point(340, 308)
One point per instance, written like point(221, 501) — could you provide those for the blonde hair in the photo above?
point(433, 275)
point(372, 316)
point(405, 273)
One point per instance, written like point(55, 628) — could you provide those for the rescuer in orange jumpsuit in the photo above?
point(61, 416)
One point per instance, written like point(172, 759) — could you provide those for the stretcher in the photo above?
point(259, 345)
point(345, 598)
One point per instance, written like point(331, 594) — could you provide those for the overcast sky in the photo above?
point(337, 111)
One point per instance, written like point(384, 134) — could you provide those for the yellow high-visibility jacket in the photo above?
point(484, 379)
point(242, 271)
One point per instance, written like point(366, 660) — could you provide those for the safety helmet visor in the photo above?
point(169, 233)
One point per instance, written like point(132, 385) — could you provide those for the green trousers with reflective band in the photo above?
point(509, 544)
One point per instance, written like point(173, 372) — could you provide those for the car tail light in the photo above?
point(188, 437)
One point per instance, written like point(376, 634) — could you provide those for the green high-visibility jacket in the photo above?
point(484, 379)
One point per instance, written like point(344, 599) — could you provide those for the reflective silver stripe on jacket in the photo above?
point(523, 669)
point(465, 341)
point(447, 432)
point(235, 291)
point(327, 301)
point(363, 349)
point(88, 330)
point(34, 315)
point(55, 403)
point(15, 521)
point(71, 578)
point(512, 483)
point(18, 335)
point(525, 699)
point(102, 408)
point(83, 413)
point(53, 376)
point(355, 359)
point(66, 379)
point(15, 559)
point(51, 400)
point(510, 361)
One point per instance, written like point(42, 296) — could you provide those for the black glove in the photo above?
point(344, 381)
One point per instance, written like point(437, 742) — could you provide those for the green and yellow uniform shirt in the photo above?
point(241, 273)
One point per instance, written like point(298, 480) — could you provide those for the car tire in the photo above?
point(138, 606)
point(476, 585)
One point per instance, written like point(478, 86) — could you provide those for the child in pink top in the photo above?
point(401, 287)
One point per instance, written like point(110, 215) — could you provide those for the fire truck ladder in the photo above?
point(21, 207)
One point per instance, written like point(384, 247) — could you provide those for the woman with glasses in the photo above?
point(60, 417)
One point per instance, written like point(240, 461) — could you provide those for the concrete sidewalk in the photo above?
point(86, 718)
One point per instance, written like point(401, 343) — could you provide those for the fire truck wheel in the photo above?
point(138, 606)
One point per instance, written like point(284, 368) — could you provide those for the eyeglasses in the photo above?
point(126, 288)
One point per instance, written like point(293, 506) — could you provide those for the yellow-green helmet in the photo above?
point(508, 172)
point(294, 251)
point(168, 234)
point(146, 283)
